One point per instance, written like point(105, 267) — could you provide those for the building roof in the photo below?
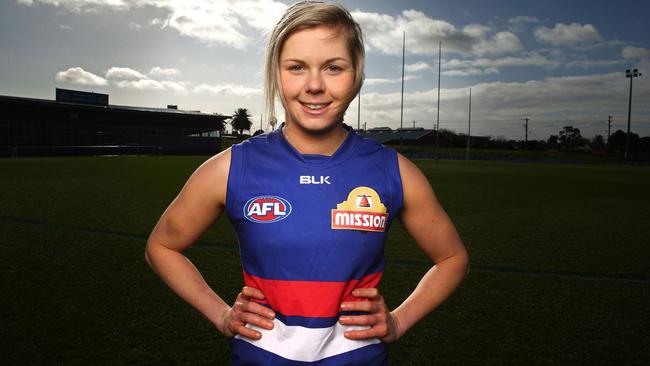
point(24, 100)
point(384, 135)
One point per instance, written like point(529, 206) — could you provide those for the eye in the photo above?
point(295, 68)
point(334, 69)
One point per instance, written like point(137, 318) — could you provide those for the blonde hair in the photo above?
point(305, 15)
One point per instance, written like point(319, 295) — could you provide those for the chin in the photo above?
point(317, 126)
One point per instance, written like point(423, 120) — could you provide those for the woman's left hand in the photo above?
point(383, 324)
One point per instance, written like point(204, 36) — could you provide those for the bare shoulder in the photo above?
point(196, 207)
point(210, 179)
point(414, 184)
point(423, 216)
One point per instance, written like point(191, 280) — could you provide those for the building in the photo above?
point(408, 136)
point(82, 123)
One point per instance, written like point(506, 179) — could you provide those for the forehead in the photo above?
point(316, 42)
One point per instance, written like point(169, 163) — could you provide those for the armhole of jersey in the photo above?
point(394, 181)
point(234, 176)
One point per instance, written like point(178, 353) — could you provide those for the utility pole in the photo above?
point(609, 128)
point(526, 134)
point(413, 124)
point(359, 112)
point(401, 116)
point(629, 74)
point(469, 124)
point(438, 108)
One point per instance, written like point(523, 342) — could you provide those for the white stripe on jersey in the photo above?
point(307, 344)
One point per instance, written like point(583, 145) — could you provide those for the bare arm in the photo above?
point(430, 227)
point(196, 207)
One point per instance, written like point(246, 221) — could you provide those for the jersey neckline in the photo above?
point(343, 151)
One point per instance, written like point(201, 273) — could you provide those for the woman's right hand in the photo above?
point(246, 311)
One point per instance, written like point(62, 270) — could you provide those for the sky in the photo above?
point(558, 63)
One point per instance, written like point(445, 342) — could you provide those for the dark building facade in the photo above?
point(80, 123)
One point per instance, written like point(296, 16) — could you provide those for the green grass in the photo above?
point(559, 256)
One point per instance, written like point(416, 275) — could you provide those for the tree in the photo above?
point(569, 137)
point(598, 143)
point(552, 142)
point(221, 121)
point(241, 120)
point(616, 142)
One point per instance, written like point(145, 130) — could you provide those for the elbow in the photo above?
point(465, 263)
point(147, 253)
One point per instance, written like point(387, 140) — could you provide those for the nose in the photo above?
point(315, 83)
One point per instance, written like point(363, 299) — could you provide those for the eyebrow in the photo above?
point(326, 61)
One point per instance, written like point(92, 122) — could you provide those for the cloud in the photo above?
point(158, 71)
point(500, 43)
point(65, 27)
point(471, 72)
point(123, 78)
point(223, 22)
point(142, 85)
point(135, 26)
point(568, 34)
point(498, 107)
point(228, 90)
point(418, 66)
point(77, 75)
point(123, 74)
point(378, 81)
point(635, 53)
point(484, 66)
point(384, 34)
point(78, 6)
point(523, 19)
point(127, 78)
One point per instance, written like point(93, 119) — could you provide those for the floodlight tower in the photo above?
point(629, 74)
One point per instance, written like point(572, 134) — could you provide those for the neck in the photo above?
point(323, 143)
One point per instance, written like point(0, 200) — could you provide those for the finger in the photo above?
point(257, 320)
point(367, 306)
point(252, 292)
point(248, 332)
point(359, 319)
point(370, 293)
point(255, 308)
point(377, 331)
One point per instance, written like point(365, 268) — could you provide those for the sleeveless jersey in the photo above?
point(311, 228)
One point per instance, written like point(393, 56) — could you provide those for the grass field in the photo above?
point(560, 266)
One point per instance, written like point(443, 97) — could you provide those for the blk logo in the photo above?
point(312, 179)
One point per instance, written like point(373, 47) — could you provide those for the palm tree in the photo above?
point(241, 121)
point(221, 121)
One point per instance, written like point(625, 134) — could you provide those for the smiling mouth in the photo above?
point(315, 106)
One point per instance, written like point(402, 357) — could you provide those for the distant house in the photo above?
point(419, 136)
point(81, 123)
point(408, 136)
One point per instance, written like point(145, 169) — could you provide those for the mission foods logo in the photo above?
point(362, 210)
point(267, 209)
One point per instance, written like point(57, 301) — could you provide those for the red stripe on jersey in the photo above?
point(313, 299)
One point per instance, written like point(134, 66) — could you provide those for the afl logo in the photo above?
point(267, 209)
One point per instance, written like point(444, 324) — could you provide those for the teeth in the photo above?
point(314, 106)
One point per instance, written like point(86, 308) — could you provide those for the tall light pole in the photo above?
point(526, 133)
point(609, 128)
point(629, 74)
point(469, 124)
point(359, 112)
point(438, 108)
point(401, 116)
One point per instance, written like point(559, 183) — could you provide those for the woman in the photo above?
point(311, 204)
